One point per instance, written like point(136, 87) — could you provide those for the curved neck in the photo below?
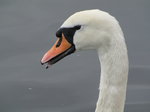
point(114, 75)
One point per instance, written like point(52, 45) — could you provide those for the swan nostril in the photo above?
point(59, 42)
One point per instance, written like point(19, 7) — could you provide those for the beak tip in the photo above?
point(42, 63)
point(44, 59)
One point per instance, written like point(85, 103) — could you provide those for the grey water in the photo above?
point(27, 31)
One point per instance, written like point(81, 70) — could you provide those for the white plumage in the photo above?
point(101, 31)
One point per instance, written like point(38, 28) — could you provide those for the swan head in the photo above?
point(90, 29)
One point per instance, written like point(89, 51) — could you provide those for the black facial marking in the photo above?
point(59, 33)
point(77, 27)
point(68, 33)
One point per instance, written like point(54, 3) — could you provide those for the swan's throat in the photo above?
point(113, 81)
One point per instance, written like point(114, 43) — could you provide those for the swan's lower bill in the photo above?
point(59, 50)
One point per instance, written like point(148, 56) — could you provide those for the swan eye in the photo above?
point(77, 27)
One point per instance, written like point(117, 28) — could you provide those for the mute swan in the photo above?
point(96, 29)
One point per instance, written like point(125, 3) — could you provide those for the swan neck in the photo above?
point(113, 80)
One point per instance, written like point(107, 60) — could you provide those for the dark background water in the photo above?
point(27, 31)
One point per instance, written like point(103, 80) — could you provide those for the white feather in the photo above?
point(102, 32)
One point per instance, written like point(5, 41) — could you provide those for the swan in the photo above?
point(96, 29)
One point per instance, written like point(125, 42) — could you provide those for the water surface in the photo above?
point(27, 31)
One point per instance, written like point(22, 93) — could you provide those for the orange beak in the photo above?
point(57, 52)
